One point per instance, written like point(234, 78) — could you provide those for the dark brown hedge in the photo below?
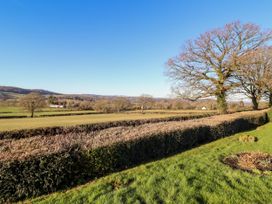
point(75, 163)
point(12, 116)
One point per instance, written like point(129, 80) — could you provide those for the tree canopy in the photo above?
point(206, 65)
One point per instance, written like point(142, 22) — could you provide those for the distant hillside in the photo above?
point(18, 90)
point(9, 92)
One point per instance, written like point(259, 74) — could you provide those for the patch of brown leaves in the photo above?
point(250, 161)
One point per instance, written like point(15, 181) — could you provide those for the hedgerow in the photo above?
point(24, 133)
point(12, 116)
point(269, 113)
point(43, 164)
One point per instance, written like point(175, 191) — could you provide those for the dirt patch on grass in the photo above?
point(255, 162)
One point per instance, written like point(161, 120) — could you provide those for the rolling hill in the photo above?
point(10, 92)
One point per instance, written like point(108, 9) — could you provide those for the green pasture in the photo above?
point(27, 123)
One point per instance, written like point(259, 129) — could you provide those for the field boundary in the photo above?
point(48, 131)
point(75, 164)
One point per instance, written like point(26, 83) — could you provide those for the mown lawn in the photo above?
point(195, 176)
point(26, 123)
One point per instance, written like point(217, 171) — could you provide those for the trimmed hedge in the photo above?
point(33, 177)
point(24, 133)
point(45, 115)
point(37, 175)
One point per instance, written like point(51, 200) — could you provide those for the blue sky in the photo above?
point(116, 47)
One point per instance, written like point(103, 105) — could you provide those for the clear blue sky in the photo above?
point(116, 47)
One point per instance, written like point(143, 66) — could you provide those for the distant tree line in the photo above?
point(36, 102)
point(225, 61)
point(143, 103)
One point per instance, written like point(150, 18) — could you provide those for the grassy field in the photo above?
point(175, 111)
point(9, 109)
point(25, 123)
point(195, 176)
point(86, 117)
point(18, 111)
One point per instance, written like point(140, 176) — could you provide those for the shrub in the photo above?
point(57, 162)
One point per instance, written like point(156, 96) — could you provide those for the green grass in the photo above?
point(27, 123)
point(9, 109)
point(195, 176)
point(91, 117)
point(18, 111)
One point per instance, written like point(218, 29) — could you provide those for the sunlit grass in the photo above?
point(19, 111)
point(25, 123)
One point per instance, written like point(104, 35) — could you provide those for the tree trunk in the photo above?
point(222, 103)
point(142, 108)
point(255, 103)
point(32, 113)
point(270, 100)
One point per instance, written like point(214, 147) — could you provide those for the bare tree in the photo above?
point(206, 65)
point(145, 101)
point(267, 80)
point(121, 104)
point(250, 73)
point(32, 102)
point(268, 94)
point(103, 105)
point(85, 105)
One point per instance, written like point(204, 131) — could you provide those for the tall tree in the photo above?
point(267, 80)
point(32, 102)
point(251, 72)
point(206, 65)
point(145, 101)
point(121, 104)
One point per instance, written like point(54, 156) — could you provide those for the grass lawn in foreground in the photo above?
point(26, 123)
point(194, 176)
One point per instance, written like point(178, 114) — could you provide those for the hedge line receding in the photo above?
point(45, 115)
point(24, 133)
point(12, 116)
point(78, 162)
